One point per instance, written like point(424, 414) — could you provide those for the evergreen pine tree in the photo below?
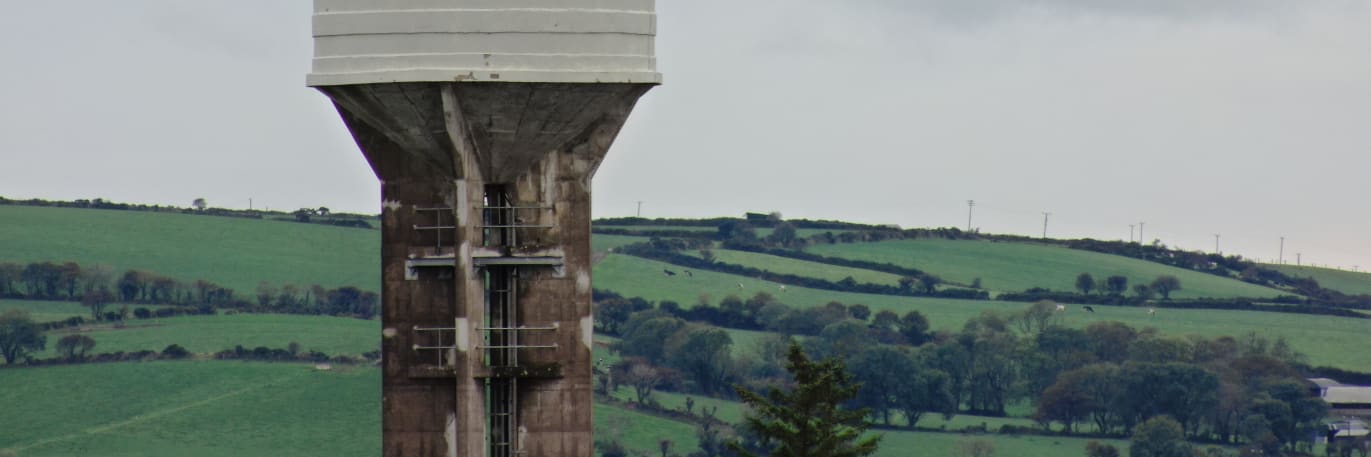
point(809, 420)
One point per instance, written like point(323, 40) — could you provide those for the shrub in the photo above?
point(175, 351)
point(611, 448)
point(1098, 449)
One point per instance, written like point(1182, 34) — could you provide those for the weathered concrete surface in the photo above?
point(438, 145)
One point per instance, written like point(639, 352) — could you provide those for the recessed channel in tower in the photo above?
point(485, 121)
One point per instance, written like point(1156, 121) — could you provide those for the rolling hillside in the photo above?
point(1012, 267)
point(632, 276)
point(233, 252)
point(46, 311)
point(210, 334)
point(203, 409)
point(1348, 282)
point(231, 409)
point(222, 408)
point(785, 265)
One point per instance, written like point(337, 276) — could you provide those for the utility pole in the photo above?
point(1130, 233)
point(640, 208)
point(1280, 259)
point(1045, 214)
point(1140, 232)
point(969, 205)
point(1297, 259)
point(1216, 245)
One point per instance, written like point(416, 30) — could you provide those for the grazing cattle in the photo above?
point(740, 285)
point(668, 272)
point(1151, 312)
point(688, 273)
point(1089, 309)
point(1061, 307)
point(782, 287)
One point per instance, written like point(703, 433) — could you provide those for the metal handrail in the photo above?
point(554, 327)
point(440, 347)
point(549, 208)
point(520, 346)
point(438, 221)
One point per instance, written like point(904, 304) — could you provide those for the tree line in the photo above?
point(200, 206)
point(21, 337)
point(763, 311)
point(1109, 377)
point(668, 250)
point(1114, 290)
point(98, 288)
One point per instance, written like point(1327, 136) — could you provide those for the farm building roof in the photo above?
point(1347, 395)
point(1324, 382)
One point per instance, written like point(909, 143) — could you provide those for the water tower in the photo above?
point(484, 121)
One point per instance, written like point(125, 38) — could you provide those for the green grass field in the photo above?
point(228, 409)
point(638, 277)
point(605, 243)
point(1348, 282)
point(221, 408)
point(203, 409)
point(633, 276)
point(761, 231)
point(233, 252)
point(1011, 267)
point(209, 334)
point(897, 443)
point(642, 432)
point(674, 228)
point(46, 311)
point(785, 265)
point(900, 443)
point(732, 412)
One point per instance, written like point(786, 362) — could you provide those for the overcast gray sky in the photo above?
point(1246, 118)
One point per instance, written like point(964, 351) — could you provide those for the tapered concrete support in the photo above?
point(437, 147)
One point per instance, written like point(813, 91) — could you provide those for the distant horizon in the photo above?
point(1269, 261)
point(1244, 119)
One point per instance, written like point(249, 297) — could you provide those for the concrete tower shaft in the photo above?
point(485, 122)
